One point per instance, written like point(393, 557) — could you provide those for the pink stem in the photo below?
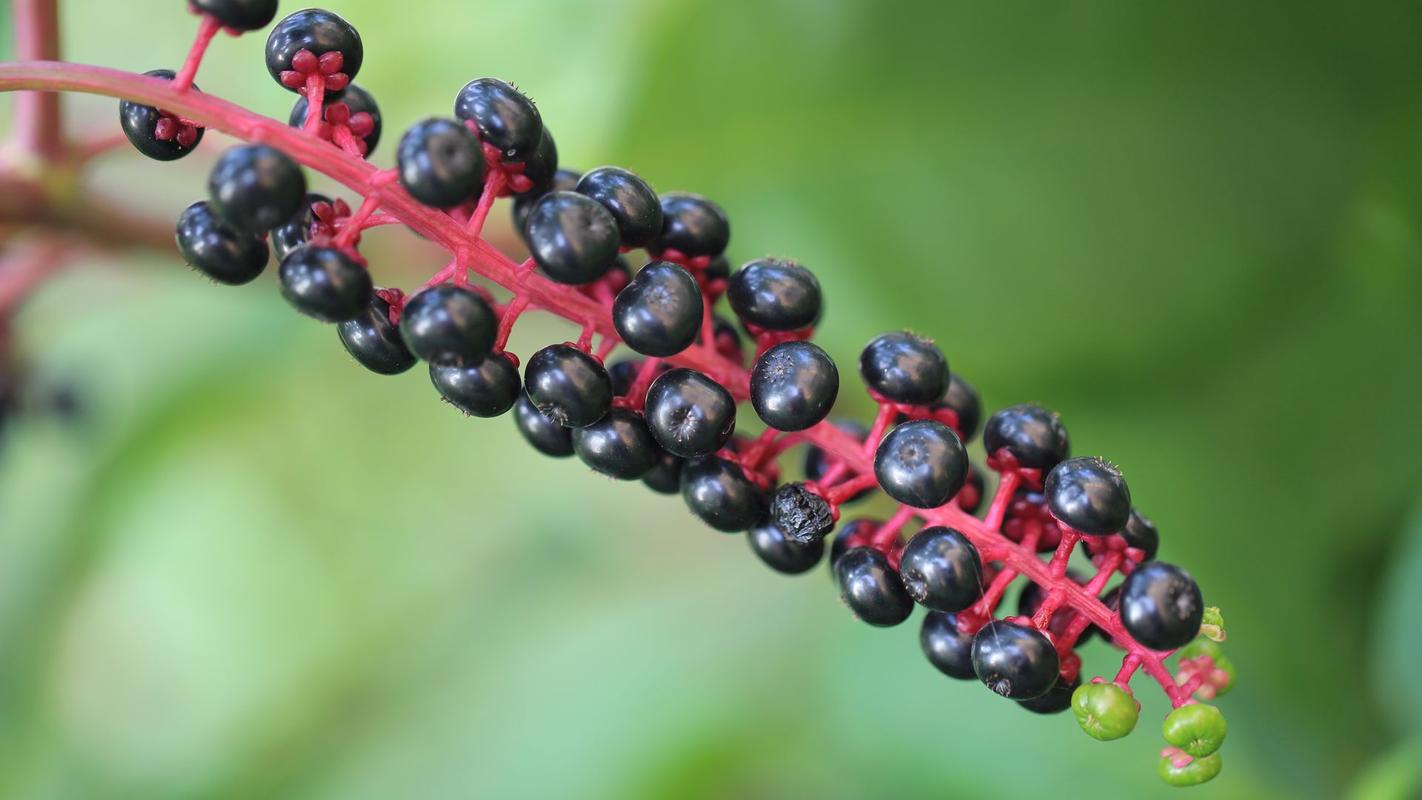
point(315, 102)
point(1006, 488)
point(38, 125)
point(353, 226)
point(493, 184)
point(207, 28)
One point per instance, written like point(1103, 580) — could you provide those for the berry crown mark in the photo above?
point(667, 415)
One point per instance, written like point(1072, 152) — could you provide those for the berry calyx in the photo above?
point(1088, 495)
point(618, 445)
point(440, 163)
point(304, 225)
point(573, 238)
point(1033, 436)
point(631, 201)
point(1161, 606)
point(353, 117)
point(659, 312)
point(325, 283)
point(484, 388)
point(775, 295)
point(689, 414)
point(374, 342)
point(1105, 711)
point(871, 588)
point(1013, 660)
point(156, 133)
point(254, 188)
point(904, 368)
point(1195, 728)
point(449, 324)
point(219, 252)
point(793, 386)
point(921, 463)
point(941, 569)
point(1205, 660)
point(719, 494)
point(505, 117)
point(569, 386)
point(331, 48)
point(782, 553)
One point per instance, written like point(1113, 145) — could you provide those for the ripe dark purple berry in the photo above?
point(448, 324)
point(941, 569)
point(921, 463)
point(1161, 606)
point(871, 588)
point(665, 476)
point(632, 202)
point(793, 386)
point(904, 368)
point(1032, 434)
point(618, 445)
point(691, 225)
point(319, 32)
point(217, 251)
point(963, 399)
point(775, 294)
point(440, 163)
point(719, 493)
point(1141, 534)
point(506, 118)
point(569, 386)
point(374, 342)
point(1015, 661)
point(296, 231)
point(689, 414)
point(659, 312)
point(1088, 495)
point(1056, 700)
point(573, 238)
point(947, 649)
point(254, 188)
point(157, 134)
point(484, 388)
point(325, 283)
point(541, 168)
point(563, 180)
point(782, 553)
point(357, 101)
point(546, 436)
point(240, 15)
point(803, 515)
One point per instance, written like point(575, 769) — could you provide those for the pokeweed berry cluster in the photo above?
point(667, 415)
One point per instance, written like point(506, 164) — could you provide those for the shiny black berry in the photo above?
point(440, 163)
point(356, 101)
point(449, 324)
point(659, 312)
point(852, 534)
point(319, 32)
point(921, 463)
point(216, 250)
point(563, 180)
point(618, 445)
point(719, 493)
point(793, 386)
point(1161, 606)
point(506, 118)
point(324, 283)
point(1056, 700)
point(1088, 495)
point(572, 237)
point(541, 168)
point(775, 294)
point(632, 202)
point(690, 414)
point(1015, 661)
point(782, 553)
point(159, 135)
point(254, 188)
point(1032, 434)
point(484, 388)
point(296, 231)
point(941, 569)
point(947, 649)
point(692, 225)
point(546, 436)
point(963, 399)
point(624, 374)
point(374, 342)
point(569, 386)
point(904, 368)
point(1141, 534)
point(803, 515)
point(871, 588)
point(241, 15)
point(665, 476)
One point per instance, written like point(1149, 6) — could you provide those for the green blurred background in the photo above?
point(255, 570)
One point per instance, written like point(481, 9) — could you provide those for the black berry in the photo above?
point(941, 569)
point(1161, 606)
point(563, 180)
point(254, 188)
point(665, 476)
point(296, 231)
point(506, 118)
point(157, 134)
point(569, 386)
point(690, 414)
point(324, 283)
point(947, 649)
point(963, 399)
point(319, 32)
point(484, 388)
point(241, 15)
point(1015, 661)
point(852, 534)
point(921, 463)
point(632, 202)
point(546, 436)
point(1056, 700)
point(1031, 434)
point(573, 238)
point(223, 254)
point(449, 324)
point(871, 588)
point(659, 312)
point(793, 386)
point(356, 100)
point(692, 226)
point(440, 163)
point(374, 342)
point(541, 168)
point(803, 515)
point(782, 553)
point(719, 493)
point(618, 445)
point(1088, 495)
point(776, 295)
point(1141, 534)
point(904, 368)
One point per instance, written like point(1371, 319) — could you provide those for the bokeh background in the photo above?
point(251, 569)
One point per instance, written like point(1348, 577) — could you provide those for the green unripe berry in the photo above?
point(1198, 771)
point(1204, 647)
point(1104, 710)
point(1197, 729)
